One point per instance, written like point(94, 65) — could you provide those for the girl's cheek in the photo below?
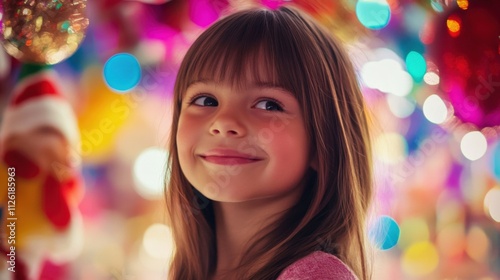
point(187, 130)
point(185, 122)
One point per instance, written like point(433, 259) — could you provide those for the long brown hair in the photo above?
point(305, 59)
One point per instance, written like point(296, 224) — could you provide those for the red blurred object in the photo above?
point(55, 205)
point(318, 7)
point(54, 271)
point(465, 49)
point(26, 168)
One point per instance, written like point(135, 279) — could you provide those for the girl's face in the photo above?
point(240, 145)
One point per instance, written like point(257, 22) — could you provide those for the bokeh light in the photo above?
point(122, 72)
point(149, 172)
point(453, 23)
point(478, 244)
point(495, 212)
point(415, 17)
point(157, 241)
point(401, 107)
point(416, 65)
point(435, 109)
point(492, 203)
point(463, 4)
point(449, 211)
point(387, 75)
point(437, 5)
point(431, 78)
point(451, 240)
point(385, 233)
point(420, 259)
point(413, 230)
point(390, 147)
point(495, 161)
point(373, 14)
point(204, 12)
point(473, 145)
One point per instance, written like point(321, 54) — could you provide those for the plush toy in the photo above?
point(41, 183)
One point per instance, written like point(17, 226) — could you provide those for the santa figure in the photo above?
point(41, 183)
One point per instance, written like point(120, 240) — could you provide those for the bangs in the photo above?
point(241, 48)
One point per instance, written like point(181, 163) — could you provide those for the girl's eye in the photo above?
point(204, 101)
point(269, 105)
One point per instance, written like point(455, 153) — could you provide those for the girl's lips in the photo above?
point(228, 160)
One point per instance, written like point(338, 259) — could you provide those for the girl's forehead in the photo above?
point(247, 72)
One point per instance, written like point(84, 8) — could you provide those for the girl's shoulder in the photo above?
point(318, 266)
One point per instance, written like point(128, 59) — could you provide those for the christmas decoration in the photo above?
point(43, 31)
point(39, 143)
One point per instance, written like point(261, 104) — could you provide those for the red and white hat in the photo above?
point(37, 101)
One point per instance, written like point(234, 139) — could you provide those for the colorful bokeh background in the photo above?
point(430, 73)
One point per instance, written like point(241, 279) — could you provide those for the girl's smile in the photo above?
point(228, 160)
point(228, 157)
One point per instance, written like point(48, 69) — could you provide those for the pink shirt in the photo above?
point(317, 266)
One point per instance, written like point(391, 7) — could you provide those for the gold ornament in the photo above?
point(43, 31)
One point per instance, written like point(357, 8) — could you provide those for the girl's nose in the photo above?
point(228, 124)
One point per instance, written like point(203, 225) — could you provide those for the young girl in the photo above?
point(269, 154)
